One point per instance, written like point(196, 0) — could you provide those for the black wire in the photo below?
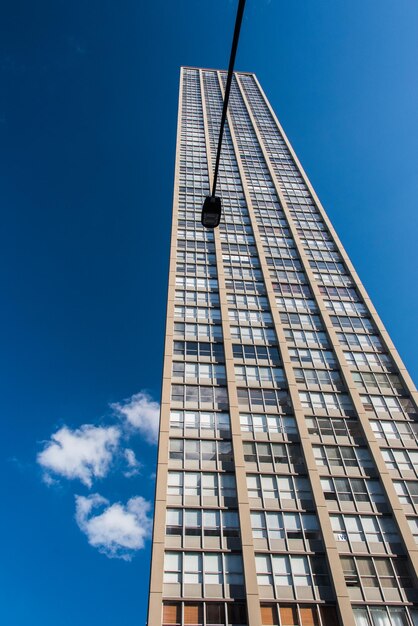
point(240, 12)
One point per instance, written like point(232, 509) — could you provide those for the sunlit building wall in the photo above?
point(287, 483)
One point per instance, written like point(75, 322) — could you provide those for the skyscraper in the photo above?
point(287, 484)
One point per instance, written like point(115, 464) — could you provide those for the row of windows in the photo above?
point(313, 358)
point(197, 396)
point(286, 264)
point(237, 238)
point(350, 494)
point(369, 361)
point(283, 277)
point(257, 302)
point(363, 342)
point(281, 529)
point(385, 616)
point(302, 305)
point(319, 378)
point(375, 382)
point(204, 614)
point(195, 453)
point(323, 255)
point(197, 523)
point(197, 246)
point(207, 486)
point(361, 532)
point(256, 353)
point(344, 458)
point(327, 403)
point(236, 227)
point(383, 406)
point(347, 308)
point(252, 374)
point(243, 273)
point(294, 615)
point(343, 293)
point(242, 260)
point(207, 568)
point(217, 424)
point(407, 492)
point(292, 289)
point(269, 229)
point(362, 324)
point(281, 252)
point(253, 335)
point(257, 423)
point(306, 338)
point(195, 313)
point(200, 350)
point(199, 371)
point(391, 432)
point(196, 257)
point(200, 270)
point(197, 234)
point(241, 316)
point(204, 298)
point(277, 456)
point(386, 574)
point(402, 462)
point(335, 429)
point(284, 492)
point(264, 399)
point(247, 286)
point(300, 319)
point(199, 332)
point(285, 572)
point(333, 280)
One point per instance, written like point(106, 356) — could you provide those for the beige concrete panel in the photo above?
point(155, 608)
point(161, 491)
point(157, 555)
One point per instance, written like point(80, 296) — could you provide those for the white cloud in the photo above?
point(118, 531)
point(84, 453)
point(142, 413)
point(132, 462)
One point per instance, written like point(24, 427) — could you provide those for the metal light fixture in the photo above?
point(212, 208)
point(211, 212)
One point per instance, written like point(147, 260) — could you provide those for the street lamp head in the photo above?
point(211, 212)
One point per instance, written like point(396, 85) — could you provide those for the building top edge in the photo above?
point(214, 69)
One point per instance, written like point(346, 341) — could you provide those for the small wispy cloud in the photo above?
point(84, 453)
point(133, 465)
point(142, 413)
point(118, 530)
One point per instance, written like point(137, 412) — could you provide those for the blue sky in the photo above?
point(87, 134)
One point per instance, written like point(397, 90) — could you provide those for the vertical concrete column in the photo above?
point(155, 600)
point(248, 556)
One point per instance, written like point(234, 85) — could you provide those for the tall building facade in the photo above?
point(287, 483)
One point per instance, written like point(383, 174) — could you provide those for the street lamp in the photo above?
point(212, 207)
point(211, 212)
